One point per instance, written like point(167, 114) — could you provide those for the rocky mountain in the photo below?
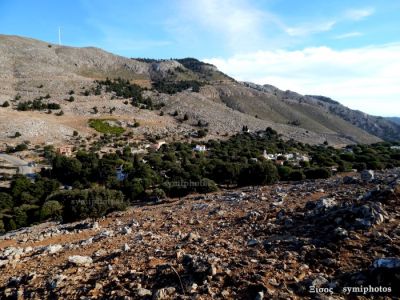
point(394, 119)
point(32, 68)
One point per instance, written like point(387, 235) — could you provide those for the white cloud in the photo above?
point(359, 14)
point(348, 35)
point(307, 29)
point(362, 78)
point(236, 21)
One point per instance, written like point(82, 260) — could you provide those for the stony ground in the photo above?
point(275, 242)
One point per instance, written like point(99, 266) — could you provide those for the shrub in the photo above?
point(25, 215)
point(2, 227)
point(51, 210)
point(172, 87)
point(20, 147)
point(53, 106)
point(259, 173)
point(17, 134)
point(159, 193)
point(71, 99)
point(318, 173)
point(5, 104)
point(6, 201)
point(297, 175)
point(360, 166)
point(101, 125)
point(201, 133)
point(284, 172)
point(207, 186)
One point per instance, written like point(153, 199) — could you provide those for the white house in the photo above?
point(200, 148)
point(289, 156)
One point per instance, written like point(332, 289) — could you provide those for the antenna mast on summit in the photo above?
point(59, 36)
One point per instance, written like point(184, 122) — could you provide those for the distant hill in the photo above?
point(32, 68)
point(394, 119)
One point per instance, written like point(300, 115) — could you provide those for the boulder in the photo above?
point(141, 292)
point(79, 260)
point(164, 293)
point(367, 176)
point(53, 248)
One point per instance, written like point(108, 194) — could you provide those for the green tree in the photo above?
point(19, 185)
point(207, 186)
point(297, 175)
point(65, 169)
point(51, 210)
point(317, 173)
point(6, 201)
point(259, 173)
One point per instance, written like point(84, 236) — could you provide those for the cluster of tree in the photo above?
point(17, 148)
point(37, 104)
point(24, 203)
point(173, 87)
point(294, 123)
point(124, 89)
point(121, 88)
point(193, 64)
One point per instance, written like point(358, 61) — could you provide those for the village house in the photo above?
point(294, 157)
point(65, 150)
point(119, 172)
point(157, 145)
point(200, 148)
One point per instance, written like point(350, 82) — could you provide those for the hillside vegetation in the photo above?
point(175, 170)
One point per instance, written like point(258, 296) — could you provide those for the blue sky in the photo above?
point(348, 50)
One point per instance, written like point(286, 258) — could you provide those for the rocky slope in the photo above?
point(32, 68)
point(325, 113)
point(277, 242)
point(394, 119)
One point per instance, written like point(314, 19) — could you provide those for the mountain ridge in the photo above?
point(222, 102)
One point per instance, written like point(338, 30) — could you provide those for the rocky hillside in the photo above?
point(394, 119)
point(278, 242)
point(32, 69)
point(331, 114)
